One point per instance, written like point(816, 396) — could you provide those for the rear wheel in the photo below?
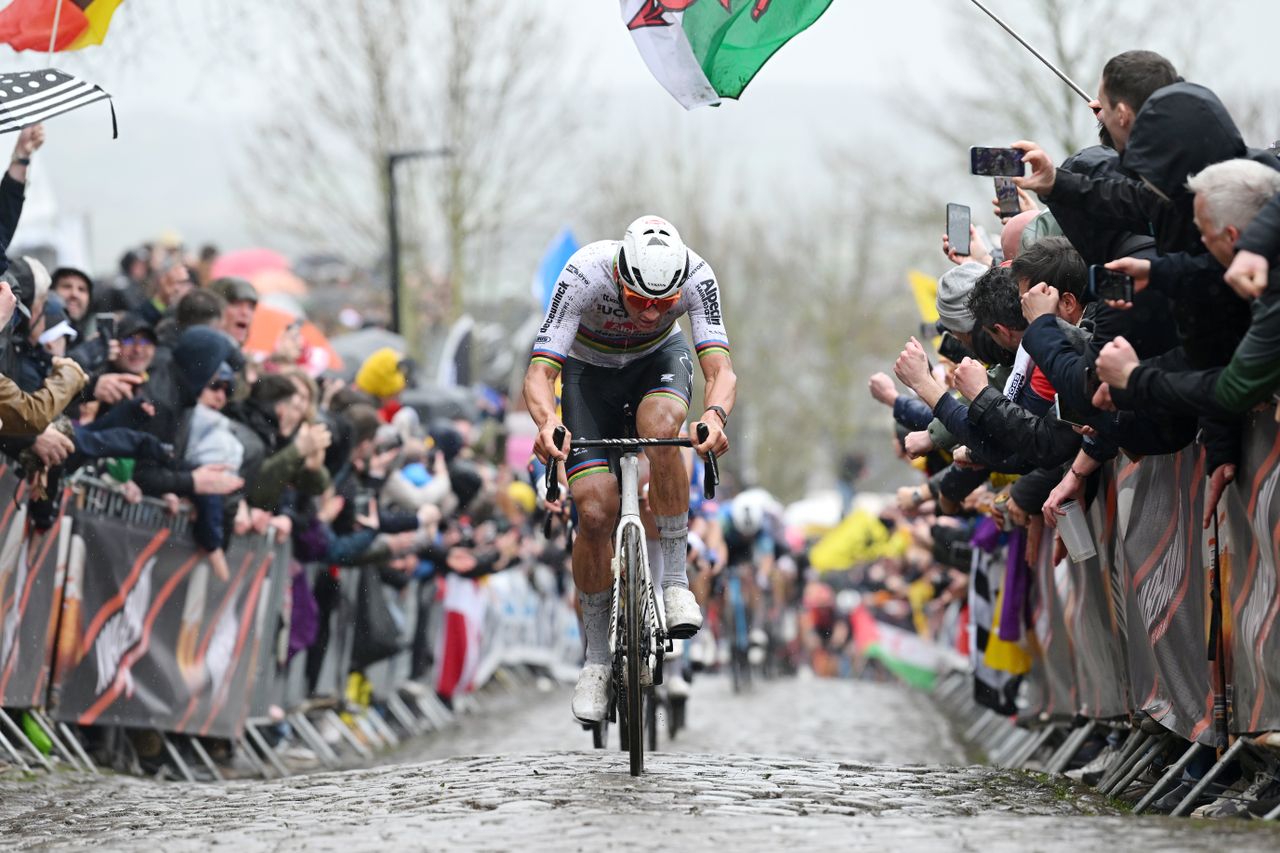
point(636, 650)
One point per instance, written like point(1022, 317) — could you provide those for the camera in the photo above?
point(958, 228)
point(993, 162)
point(106, 326)
point(1066, 415)
point(1007, 201)
point(952, 350)
point(1109, 284)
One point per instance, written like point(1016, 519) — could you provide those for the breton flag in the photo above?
point(705, 50)
point(28, 24)
point(30, 97)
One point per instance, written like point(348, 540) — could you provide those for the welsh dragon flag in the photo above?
point(705, 50)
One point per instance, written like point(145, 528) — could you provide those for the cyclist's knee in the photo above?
point(659, 417)
point(597, 508)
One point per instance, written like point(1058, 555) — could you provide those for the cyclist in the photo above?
point(611, 330)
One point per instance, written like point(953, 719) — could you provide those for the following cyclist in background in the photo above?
point(747, 528)
point(612, 330)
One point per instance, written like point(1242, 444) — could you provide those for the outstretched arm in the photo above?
point(719, 393)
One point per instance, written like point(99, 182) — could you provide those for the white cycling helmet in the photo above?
point(747, 514)
point(652, 261)
point(751, 509)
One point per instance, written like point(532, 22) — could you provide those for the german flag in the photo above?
point(28, 24)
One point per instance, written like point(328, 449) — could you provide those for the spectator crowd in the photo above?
point(1040, 380)
point(142, 383)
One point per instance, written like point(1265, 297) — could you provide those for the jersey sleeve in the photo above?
point(564, 313)
point(706, 320)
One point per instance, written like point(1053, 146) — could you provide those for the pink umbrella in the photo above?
point(248, 262)
point(278, 281)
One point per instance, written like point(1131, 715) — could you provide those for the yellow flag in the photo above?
point(97, 17)
point(925, 289)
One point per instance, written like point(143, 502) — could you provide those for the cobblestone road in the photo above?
point(803, 764)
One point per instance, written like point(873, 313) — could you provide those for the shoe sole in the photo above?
point(588, 723)
point(682, 632)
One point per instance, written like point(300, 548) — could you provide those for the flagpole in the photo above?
point(1065, 79)
point(53, 36)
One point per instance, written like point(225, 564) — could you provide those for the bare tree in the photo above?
point(1019, 97)
point(371, 77)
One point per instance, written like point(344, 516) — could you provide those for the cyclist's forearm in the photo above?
point(721, 388)
point(540, 393)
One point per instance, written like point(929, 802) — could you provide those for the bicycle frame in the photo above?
point(629, 487)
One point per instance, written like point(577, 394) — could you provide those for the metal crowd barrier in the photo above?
point(119, 580)
point(1122, 641)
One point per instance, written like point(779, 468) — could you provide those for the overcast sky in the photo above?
point(180, 137)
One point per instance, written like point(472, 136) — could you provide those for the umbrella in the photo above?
point(268, 324)
point(284, 302)
point(248, 262)
point(30, 97)
point(355, 347)
point(278, 281)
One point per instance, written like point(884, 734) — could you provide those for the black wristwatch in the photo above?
point(724, 416)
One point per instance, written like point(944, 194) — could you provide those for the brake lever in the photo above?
point(712, 474)
point(553, 477)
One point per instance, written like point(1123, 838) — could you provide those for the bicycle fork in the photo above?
point(629, 518)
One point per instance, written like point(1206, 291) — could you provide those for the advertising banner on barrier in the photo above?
point(31, 563)
point(1051, 683)
point(1161, 503)
point(150, 637)
point(1251, 580)
point(1095, 615)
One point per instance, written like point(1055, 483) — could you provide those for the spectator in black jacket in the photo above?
point(13, 185)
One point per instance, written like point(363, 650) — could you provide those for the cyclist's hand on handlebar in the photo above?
point(717, 441)
point(545, 446)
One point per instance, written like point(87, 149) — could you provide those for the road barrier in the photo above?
point(114, 617)
point(1127, 638)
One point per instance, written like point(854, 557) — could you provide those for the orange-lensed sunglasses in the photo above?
point(639, 303)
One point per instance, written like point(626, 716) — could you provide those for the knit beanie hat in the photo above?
point(380, 375)
point(953, 295)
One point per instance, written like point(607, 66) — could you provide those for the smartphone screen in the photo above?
point(1007, 197)
point(106, 326)
point(1110, 284)
point(996, 161)
point(958, 228)
point(1066, 415)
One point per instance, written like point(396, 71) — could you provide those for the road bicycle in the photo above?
point(638, 639)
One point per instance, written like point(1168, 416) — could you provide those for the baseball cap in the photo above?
point(235, 289)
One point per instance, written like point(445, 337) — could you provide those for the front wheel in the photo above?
point(636, 650)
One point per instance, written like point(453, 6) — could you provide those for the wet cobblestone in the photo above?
point(807, 765)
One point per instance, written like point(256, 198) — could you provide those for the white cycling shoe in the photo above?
point(591, 696)
point(684, 616)
point(677, 686)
